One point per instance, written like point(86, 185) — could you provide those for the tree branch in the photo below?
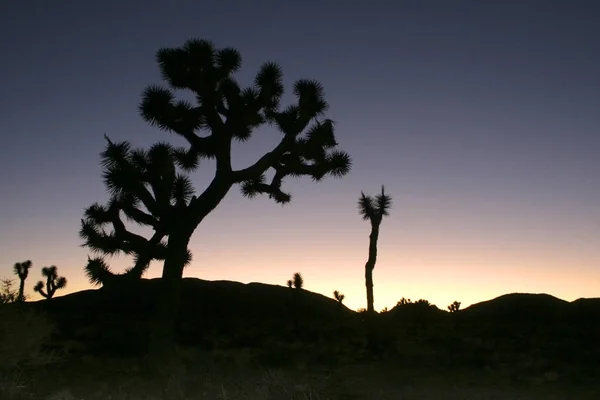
point(265, 162)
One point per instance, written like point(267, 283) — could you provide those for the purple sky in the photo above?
point(481, 118)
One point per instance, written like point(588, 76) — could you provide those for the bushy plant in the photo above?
point(423, 302)
point(403, 301)
point(298, 281)
point(454, 307)
point(7, 293)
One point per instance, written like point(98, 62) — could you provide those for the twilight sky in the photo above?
point(481, 118)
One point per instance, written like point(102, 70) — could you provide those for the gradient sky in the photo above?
point(481, 118)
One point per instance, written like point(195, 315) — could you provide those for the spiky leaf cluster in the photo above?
point(146, 188)
point(228, 111)
point(374, 208)
point(21, 269)
point(53, 282)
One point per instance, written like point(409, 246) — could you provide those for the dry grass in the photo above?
point(209, 376)
point(23, 335)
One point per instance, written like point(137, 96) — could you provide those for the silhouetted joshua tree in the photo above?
point(53, 282)
point(21, 269)
point(146, 187)
point(338, 296)
point(454, 307)
point(298, 281)
point(229, 112)
point(373, 209)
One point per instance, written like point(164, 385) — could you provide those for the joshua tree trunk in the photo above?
point(167, 309)
point(22, 290)
point(370, 266)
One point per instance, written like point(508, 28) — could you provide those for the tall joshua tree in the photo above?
point(148, 189)
point(21, 269)
point(228, 112)
point(53, 282)
point(373, 209)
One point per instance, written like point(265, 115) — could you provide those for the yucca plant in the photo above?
point(373, 209)
point(230, 112)
point(147, 188)
point(53, 282)
point(454, 306)
point(21, 269)
point(339, 297)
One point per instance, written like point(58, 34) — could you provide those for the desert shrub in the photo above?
point(23, 336)
point(8, 294)
point(423, 302)
point(403, 301)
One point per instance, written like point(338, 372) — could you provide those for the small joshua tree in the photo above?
point(454, 307)
point(338, 296)
point(53, 282)
point(373, 209)
point(298, 281)
point(21, 269)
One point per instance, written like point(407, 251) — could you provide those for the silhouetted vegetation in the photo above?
point(53, 282)
point(518, 335)
point(147, 188)
point(21, 269)
point(423, 302)
point(454, 306)
point(373, 209)
point(403, 301)
point(229, 113)
point(506, 334)
point(24, 335)
point(7, 293)
point(298, 281)
point(339, 297)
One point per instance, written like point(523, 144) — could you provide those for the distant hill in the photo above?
point(210, 310)
point(254, 312)
point(520, 305)
point(207, 299)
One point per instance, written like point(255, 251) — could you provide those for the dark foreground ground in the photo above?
point(261, 342)
point(234, 376)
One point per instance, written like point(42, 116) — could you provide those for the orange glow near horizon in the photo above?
point(415, 260)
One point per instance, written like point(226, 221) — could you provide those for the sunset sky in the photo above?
point(481, 118)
